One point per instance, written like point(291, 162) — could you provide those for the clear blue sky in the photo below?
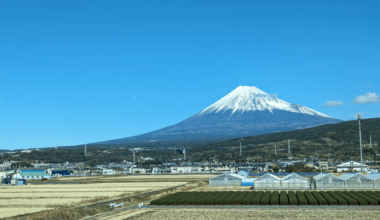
point(87, 71)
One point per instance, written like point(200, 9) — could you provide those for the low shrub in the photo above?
point(247, 199)
point(257, 198)
point(292, 198)
point(228, 200)
point(265, 199)
point(367, 198)
point(360, 200)
point(219, 200)
point(372, 195)
point(191, 200)
point(166, 199)
point(310, 198)
point(183, 200)
point(321, 200)
point(329, 198)
point(211, 198)
point(377, 193)
point(239, 198)
point(350, 200)
point(339, 199)
point(301, 198)
point(284, 198)
point(274, 198)
point(200, 200)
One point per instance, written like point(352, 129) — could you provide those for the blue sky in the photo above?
point(87, 71)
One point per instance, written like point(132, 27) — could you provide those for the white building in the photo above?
point(186, 169)
point(351, 166)
point(108, 172)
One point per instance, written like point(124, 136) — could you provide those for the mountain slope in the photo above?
point(243, 112)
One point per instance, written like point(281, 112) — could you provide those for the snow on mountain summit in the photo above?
point(249, 98)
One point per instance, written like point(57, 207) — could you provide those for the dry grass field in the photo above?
point(232, 214)
point(138, 178)
point(19, 200)
point(222, 188)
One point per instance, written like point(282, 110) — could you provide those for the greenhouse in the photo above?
point(328, 181)
point(295, 181)
point(267, 181)
point(375, 177)
point(357, 181)
point(221, 180)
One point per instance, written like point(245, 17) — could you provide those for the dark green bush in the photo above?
point(350, 200)
point(228, 200)
point(211, 198)
point(365, 197)
point(274, 198)
point(183, 200)
point(247, 199)
point(284, 198)
point(341, 200)
point(301, 198)
point(310, 198)
point(360, 200)
point(265, 199)
point(168, 199)
point(257, 198)
point(377, 193)
point(219, 200)
point(292, 198)
point(239, 198)
point(372, 195)
point(200, 200)
point(329, 198)
point(321, 200)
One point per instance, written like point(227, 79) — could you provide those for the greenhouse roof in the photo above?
point(320, 176)
point(293, 176)
point(348, 176)
point(373, 176)
point(268, 176)
point(230, 176)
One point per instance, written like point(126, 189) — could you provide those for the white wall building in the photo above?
point(351, 166)
point(187, 169)
point(108, 172)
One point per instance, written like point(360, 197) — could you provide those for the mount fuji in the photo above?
point(245, 111)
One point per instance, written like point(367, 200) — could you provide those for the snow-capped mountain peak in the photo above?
point(249, 98)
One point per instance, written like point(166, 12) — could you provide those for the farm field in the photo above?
point(271, 198)
point(237, 214)
point(137, 178)
point(18, 200)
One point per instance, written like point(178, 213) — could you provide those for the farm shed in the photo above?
point(267, 181)
point(247, 182)
point(221, 180)
point(357, 181)
point(295, 181)
point(243, 172)
point(31, 173)
point(328, 181)
point(375, 177)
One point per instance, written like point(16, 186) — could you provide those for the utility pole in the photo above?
point(289, 152)
point(240, 150)
point(85, 150)
point(134, 157)
point(275, 149)
point(359, 117)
